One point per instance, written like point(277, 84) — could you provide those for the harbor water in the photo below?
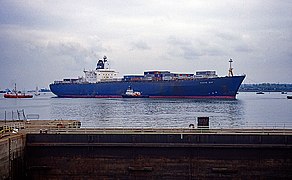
point(249, 110)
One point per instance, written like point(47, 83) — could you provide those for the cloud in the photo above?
point(57, 39)
point(192, 49)
point(140, 45)
point(40, 56)
point(182, 48)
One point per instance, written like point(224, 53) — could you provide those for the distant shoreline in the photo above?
point(265, 87)
point(240, 90)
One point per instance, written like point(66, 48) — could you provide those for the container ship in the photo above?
point(103, 82)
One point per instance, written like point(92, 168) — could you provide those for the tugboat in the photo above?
point(17, 94)
point(130, 93)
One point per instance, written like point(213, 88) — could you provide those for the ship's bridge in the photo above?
point(93, 76)
point(101, 73)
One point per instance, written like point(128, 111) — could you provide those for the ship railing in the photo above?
point(257, 125)
point(111, 80)
point(58, 82)
point(285, 128)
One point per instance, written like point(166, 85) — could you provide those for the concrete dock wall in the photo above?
point(158, 156)
point(12, 157)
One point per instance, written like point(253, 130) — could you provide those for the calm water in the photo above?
point(269, 109)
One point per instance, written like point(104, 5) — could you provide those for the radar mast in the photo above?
point(230, 71)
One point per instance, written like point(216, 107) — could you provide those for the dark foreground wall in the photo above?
point(158, 156)
point(12, 157)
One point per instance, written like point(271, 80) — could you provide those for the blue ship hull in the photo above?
point(219, 87)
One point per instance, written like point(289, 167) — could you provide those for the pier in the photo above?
point(67, 152)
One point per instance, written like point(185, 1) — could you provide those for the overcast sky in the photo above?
point(42, 41)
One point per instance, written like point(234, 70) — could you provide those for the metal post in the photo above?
point(9, 159)
point(18, 112)
point(24, 118)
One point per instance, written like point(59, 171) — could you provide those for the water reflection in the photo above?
point(148, 112)
point(250, 109)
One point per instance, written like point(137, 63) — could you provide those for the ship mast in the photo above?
point(15, 91)
point(230, 71)
point(105, 61)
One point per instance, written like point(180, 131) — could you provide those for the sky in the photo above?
point(43, 41)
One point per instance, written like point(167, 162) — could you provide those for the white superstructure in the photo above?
point(101, 73)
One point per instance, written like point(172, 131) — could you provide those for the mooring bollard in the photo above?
point(203, 123)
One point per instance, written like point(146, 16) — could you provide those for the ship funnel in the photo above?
point(100, 64)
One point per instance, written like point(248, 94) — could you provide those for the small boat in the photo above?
point(260, 92)
point(289, 97)
point(130, 93)
point(283, 92)
point(17, 94)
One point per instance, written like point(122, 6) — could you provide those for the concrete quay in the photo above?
point(44, 150)
point(165, 155)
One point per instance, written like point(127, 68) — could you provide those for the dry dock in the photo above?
point(119, 153)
